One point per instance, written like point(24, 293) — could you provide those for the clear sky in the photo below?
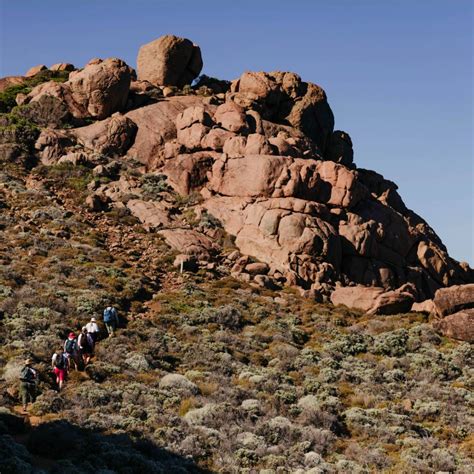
point(398, 73)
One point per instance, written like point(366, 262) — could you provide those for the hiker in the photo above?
point(28, 379)
point(60, 365)
point(93, 330)
point(71, 349)
point(110, 319)
point(85, 344)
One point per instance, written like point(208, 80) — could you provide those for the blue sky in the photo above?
point(398, 73)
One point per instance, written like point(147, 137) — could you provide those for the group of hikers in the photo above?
point(76, 351)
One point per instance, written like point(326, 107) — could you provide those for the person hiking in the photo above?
point(93, 330)
point(84, 344)
point(60, 365)
point(110, 320)
point(28, 379)
point(71, 349)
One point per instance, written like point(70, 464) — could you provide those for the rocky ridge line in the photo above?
point(259, 155)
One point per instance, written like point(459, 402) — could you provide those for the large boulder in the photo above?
point(62, 67)
point(102, 88)
point(426, 306)
point(453, 299)
point(151, 214)
point(459, 325)
point(9, 81)
point(35, 70)
point(112, 136)
point(231, 117)
point(47, 111)
point(189, 242)
point(97, 91)
point(373, 300)
point(169, 61)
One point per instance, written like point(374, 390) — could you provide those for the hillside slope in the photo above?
point(219, 219)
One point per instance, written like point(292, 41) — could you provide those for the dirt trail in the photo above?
point(32, 420)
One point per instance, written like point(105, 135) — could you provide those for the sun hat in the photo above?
point(93, 320)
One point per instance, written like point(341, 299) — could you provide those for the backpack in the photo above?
point(59, 362)
point(70, 346)
point(85, 342)
point(26, 375)
point(109, 314)
point(90, 340)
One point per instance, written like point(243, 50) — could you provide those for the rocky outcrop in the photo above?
point(101, 88)
point(152, 214)
point(426, 306)
point(459, 325)
point(283, 97)
point(453, 299)
point(157, 128)
point(373, 300)
point(35, 70)
point(189, 242)
point(97, 91)
point(169, 61)
point(267, 165)
point(112, 136)
point(62, 67)
point(188, 172)
point(9, 81)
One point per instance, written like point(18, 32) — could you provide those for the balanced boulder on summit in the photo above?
point(169, 61)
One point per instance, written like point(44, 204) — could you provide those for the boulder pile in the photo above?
point(262, 154)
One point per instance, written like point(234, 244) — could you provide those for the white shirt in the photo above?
point(92, 327)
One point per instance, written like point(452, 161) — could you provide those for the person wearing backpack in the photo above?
point(71, 349)
point(84, 343)
point(60, 364)
point(28, 379)
point(93, 330)
point(110, 320)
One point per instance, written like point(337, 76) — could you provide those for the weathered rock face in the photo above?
point(288, 234)
point(459, 325)
point(152, 214)
point(373, 300)
point(156, 128)
point(453, 299)
point(102, 88)
point(112, 136)
point(169, 61)
point(282, 97)
point(97, 91)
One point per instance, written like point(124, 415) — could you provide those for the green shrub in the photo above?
point(8, 96)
